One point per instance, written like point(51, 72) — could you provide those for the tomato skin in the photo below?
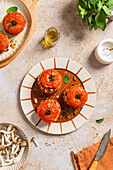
point(72, 92)
point(46, 81)
point(4, 42)
point(14, 16)
point(53, 106)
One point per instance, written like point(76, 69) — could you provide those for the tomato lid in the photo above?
point(51, 78)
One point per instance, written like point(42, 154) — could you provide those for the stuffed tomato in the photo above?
point(50, 81)
point(75, 96)
point(49, 110)
point(4, 43)
point(14, 23)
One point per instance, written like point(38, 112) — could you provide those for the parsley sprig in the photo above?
point(51, 78)
point(95, 12)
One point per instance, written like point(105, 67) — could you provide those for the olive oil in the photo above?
point(51, 37)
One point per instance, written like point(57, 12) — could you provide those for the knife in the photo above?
point(101, 151)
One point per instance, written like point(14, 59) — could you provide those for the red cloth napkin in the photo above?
point(83, 159)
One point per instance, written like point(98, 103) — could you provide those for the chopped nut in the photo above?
point(12, 41)
point(14, 44)
point(23, 143)
point(16, 41)
point(57, 96)
point(68, 116)
point(45, 90)
point(35, 100)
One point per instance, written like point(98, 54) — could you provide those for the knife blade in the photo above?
point(101, 151)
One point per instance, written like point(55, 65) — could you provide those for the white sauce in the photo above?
point(104, 51)
point(107, 49)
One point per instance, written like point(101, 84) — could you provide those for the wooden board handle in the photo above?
point(30, 3)
point(93, 165)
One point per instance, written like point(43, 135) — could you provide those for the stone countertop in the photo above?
point(77, 43)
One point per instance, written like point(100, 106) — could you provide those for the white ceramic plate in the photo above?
point(22, 134)
point(57, 128)
point(4, 5)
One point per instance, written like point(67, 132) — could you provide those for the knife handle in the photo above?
point(93, 165)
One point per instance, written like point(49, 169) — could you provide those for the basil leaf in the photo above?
point(77, 96)
point(48, 112)
point(106, 10)
point(12, 9)
point(83, 4)
point(79, 11)
point(100, 120)
point(90, 19)
point(95, 26)
point(100, 20)
point(91, 26)
point(99, 5)
point(89, 5)
point(66, 79)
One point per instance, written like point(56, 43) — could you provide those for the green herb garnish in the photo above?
point(74, 113)
point(77, 96)
point(100, 120)
point(13, 23)
point(66, 79)
point(95, 12)
point(48, 112)
point(51, 78)
point(74, 78)
point(12, 9)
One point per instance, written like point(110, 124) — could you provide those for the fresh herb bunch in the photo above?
point(95, 12)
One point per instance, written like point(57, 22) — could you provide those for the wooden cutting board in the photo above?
point(30, 6)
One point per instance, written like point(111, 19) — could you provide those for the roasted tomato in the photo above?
point(14, 23)
point(75, 96)
point(50, 81)
point(49, 110)
point(4, 42)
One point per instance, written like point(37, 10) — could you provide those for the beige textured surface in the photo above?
point(78, 43)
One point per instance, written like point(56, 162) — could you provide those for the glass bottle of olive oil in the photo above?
point(51, 37)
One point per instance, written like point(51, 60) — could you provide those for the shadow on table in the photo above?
point(94, 63)
point(73, 23)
